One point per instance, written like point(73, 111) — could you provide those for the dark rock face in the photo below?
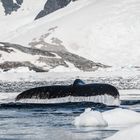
point(9, 65)
point(23, 49)
point(51, 6)
point(50, 57)
point(11, 6)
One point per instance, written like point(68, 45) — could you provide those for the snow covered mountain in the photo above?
point(69, 34)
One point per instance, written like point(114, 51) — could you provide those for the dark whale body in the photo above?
point(78, 89)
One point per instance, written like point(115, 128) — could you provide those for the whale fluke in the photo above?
point(46, 92)
point(77, 92)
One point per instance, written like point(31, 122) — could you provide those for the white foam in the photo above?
point(8, 97)
point(106, 99)
point(116, 117)
point(1, 9)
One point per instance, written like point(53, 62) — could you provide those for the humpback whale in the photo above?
point(77, 92)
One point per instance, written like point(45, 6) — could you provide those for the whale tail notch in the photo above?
point(78, 82)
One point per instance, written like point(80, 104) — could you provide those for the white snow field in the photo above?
point(103, 31)
point(116, 117)
point(23, 16)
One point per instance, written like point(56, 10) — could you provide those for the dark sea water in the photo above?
point(53, 122)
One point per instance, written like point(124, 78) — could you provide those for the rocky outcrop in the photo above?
point(51, 6)
point(10, 5)
point(32, 51)
point(8, 65)
point(50, 57)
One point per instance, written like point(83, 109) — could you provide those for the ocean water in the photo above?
point(44, 122)
point(55, 121)
point(52, 122)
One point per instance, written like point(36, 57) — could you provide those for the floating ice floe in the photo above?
point(113, 117)
point(121, 116)
point(90, 118)
point(127, 134)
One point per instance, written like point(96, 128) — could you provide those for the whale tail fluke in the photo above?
point(78, 92)
point(30, 94)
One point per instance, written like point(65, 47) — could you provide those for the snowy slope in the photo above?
point(104, 31)
point(24, 15)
